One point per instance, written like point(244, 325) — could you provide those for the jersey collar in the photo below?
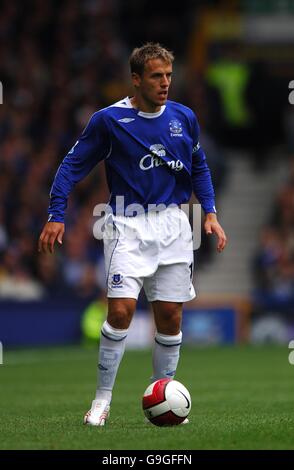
point(146, 115)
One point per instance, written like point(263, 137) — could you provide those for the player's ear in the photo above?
point(136, 79)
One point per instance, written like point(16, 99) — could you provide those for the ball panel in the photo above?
point(157, 394)
point(157, 410)
point(149, 389)
point(178, 398)
point(181, 412)
point(167, 419)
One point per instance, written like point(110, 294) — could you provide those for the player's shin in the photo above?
point(166, 355)
point(112, 347)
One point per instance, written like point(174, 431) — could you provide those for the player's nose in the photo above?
point(165, 81)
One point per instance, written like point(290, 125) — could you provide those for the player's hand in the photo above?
point(211, 226)
point(51, 232)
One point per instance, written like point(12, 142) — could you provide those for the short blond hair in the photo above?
point(148, 51)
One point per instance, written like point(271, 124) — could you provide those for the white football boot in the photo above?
point(98, 414)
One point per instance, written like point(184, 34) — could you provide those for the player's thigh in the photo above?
point(170, 283)
point(122, 278)
point(128, 259)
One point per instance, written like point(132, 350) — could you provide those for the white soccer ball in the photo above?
point(166, 402)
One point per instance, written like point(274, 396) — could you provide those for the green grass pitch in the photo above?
point(242, 398)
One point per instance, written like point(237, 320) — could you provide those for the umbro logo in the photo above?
point(126, 120)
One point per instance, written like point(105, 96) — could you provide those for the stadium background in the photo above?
point(62, 60)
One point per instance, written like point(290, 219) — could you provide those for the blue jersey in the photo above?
point(150, 158)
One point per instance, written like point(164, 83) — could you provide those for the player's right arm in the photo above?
point(51, 232)
point(92, 147)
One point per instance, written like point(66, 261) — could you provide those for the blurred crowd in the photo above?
point(59, 63)
point(274, 260)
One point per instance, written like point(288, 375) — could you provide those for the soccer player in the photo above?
point(152, 156)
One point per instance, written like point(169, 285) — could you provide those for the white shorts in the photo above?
point(152, 250)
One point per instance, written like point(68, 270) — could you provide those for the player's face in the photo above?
point(152, 86)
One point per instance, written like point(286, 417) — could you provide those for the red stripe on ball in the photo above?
point(158, 394)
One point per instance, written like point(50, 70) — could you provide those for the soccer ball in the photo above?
point(166, 402)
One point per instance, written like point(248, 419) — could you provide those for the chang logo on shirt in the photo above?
point(175, 128)
point(158, 150)
point(154, 159)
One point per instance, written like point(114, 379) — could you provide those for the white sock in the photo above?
point(111, 350)
point(166, 355)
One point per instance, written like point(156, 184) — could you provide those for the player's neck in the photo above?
point(139, 103)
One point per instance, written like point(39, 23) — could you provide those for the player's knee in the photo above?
point(119, 317)
point(174, 326)
point(120, 312)
point(175, 320)
point(170, 322)
point(174, 315)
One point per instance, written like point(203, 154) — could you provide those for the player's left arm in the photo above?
point(211, 225)
point(203, 189)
